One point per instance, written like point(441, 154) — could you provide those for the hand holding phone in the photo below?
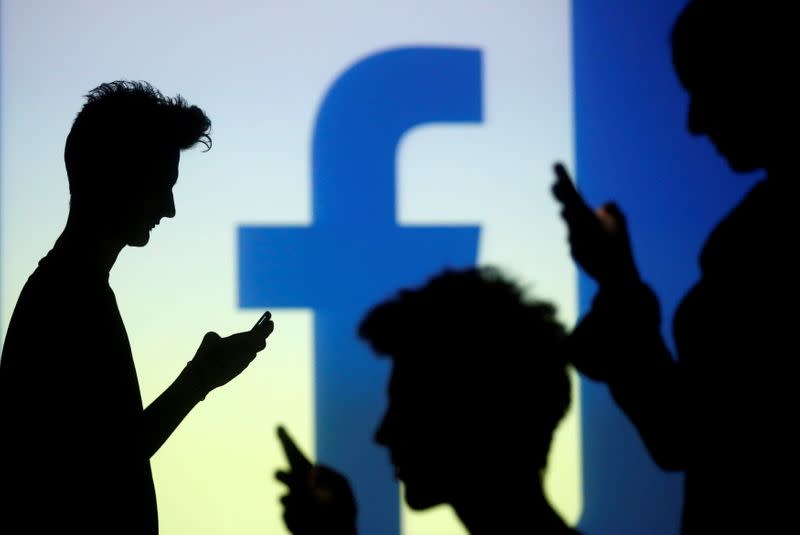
point(319, 500)
point(264, 324)
point(218, 360)
point(598, 239)
point(298, 462)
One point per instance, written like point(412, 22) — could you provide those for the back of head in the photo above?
point(122, 125)
point(736, 59)
point(734, 39)
point(474, 338)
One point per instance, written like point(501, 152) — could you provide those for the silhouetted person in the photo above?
point(76, 442)
point(475, 393)
point(723, 412)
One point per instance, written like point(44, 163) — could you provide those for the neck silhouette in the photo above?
point(88, 240)
point(510, 503)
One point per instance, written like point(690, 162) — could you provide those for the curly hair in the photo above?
point(122, 117)
point(473, 330)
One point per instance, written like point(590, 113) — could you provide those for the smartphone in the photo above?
point(298, 462)
point(265, 317)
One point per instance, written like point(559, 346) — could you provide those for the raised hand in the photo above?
point(320, 500)
point(218, 360)
point(599, 240)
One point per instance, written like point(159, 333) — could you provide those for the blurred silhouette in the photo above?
point(722, 412)
point(320, 498)
point(475, 393)
point(76, 441)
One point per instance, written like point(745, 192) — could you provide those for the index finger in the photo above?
point(297, 460)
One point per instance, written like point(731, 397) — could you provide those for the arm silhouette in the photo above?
point(618, 341)
point(217, 361)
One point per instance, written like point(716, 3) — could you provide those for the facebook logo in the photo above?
point(355, 254)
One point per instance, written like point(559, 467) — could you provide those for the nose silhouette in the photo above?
point(170, 206)
point(383, 433)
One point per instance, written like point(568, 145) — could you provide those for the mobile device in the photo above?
point(298, 462)
point(564, 189)
point(265, 317)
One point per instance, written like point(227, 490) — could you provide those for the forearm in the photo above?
point(651, 394)
point(622, 334)
point(167, 411)
point(217, 361)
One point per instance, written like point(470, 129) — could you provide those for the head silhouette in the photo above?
point(122, 156)
point(475, 381)
point(735, 60)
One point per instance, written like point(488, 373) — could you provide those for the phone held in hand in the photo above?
point(298, 462)
point(265, 317)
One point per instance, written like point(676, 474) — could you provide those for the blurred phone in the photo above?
point(298, 462)
point(265, 317)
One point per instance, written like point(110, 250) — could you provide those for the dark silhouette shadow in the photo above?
point(721, 412)
point(477, 388)
point(76, 441)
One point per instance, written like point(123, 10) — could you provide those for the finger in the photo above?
point(297, 485)
point(580, 220)
point(563, 183)
point(263, 332)
point(565, 191)
point(256, 345)
point(245, 345)
point(264, 327)
point(211, 336)
point(612, 210)
point(256, 340)
point(285, 477)
point(266, 316)
point(561, 172)
point(297, 460)
point(607, 221)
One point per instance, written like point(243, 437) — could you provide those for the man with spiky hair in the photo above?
point(476, 390)
point(77, 441)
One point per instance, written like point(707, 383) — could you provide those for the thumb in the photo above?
point(210, 340)
point(612, 219)
point(211, 337)
point(614, 211)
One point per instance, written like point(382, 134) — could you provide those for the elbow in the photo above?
point(668, 457)
point(669, 464)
